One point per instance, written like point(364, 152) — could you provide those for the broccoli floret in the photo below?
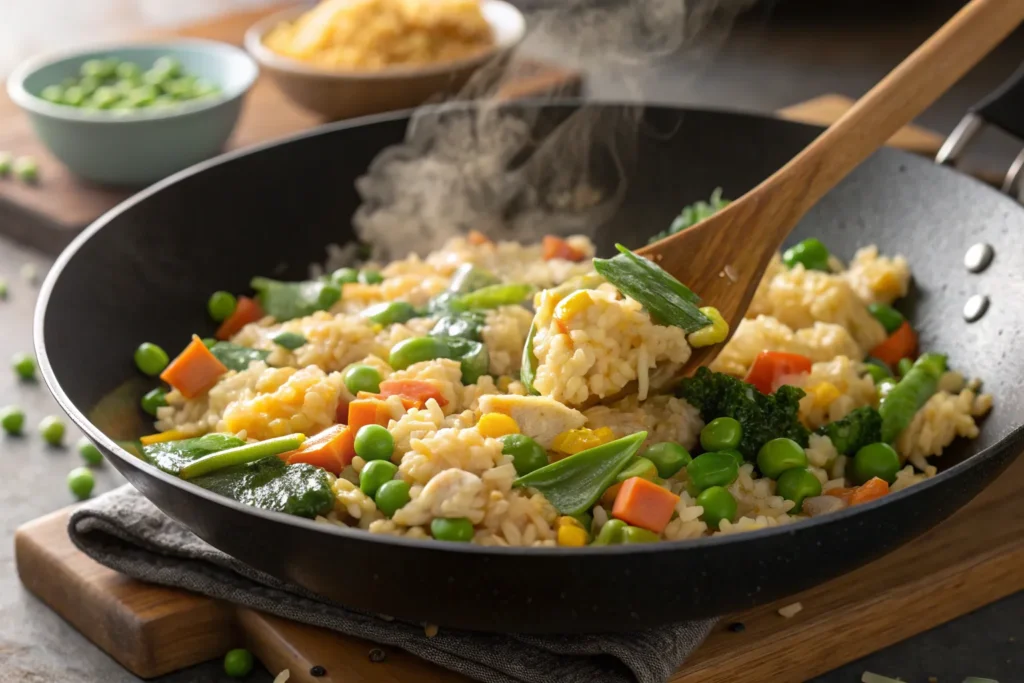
point(693, 214)
point(861, 427)
point(763, 417)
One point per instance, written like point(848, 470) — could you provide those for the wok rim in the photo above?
point(1014, 437)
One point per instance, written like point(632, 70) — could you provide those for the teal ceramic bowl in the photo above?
point(137, 147)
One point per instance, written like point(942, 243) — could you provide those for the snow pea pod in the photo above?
point(668, 300)
point(528, 372)
point(492, 296)
point(575, 483)
point(902, 402)
point(468, 278)
point(472, 355)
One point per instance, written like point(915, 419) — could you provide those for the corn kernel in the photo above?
point(887, 283)
point(169, 435)
point(825, 393)
point(494, 425)
point(572, 305)
point(715, 333)
point(575, 440)
point(566, 520)
point(572, 536)
point(504, 382)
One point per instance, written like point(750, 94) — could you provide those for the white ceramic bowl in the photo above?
point(337, 94)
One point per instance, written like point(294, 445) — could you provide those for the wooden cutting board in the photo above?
point(49, 214)
point(970, 560)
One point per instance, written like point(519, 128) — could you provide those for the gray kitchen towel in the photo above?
point(124, 531)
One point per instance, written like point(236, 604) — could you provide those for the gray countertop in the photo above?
point(773, 59)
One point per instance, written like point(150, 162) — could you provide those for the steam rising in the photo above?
point(512, 175)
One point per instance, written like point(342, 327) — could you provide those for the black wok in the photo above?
point(145, 270)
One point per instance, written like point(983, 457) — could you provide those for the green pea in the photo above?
point(635, 534)
point(26, 169)
point(344, 276)
point(90, 454)
point(712, 469)
point(638, 467)
point(417, 350)
point(12, 419)
point(88, 85)
point(129, 71)
point(81, 481)
point(527, 454)
point(238, 663)
point(155, 77)
point(3, 282)
point(98, 68)
point(585, 519)
point(150, 359)
point(375, 473)
point(208, 342)
point(390, 312)
point(24, 365)
point(153, 399)
point(811, 253)
point(289, 340)
point(779, 455)
point(457, 529)
point(203, 88)
point(876, 372)
point(720, 434)
point(668, 457)
point(74, 96)
point(179, 88)
point(392, 496)
point(51, 428)
point(168, 65)
point(221, 305)
point(6, 159)
point(889, 317)
point(374, 442)
point(796, 485)
point(611, 533)
point(142, 96)
point(718, 504)
point(370, 277)
point(362, 378)
point(903, 367)
point(53, 93)
point(105, 97)
point(736, 455)
point(875, 460)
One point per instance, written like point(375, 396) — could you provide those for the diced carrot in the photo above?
point(341, 412)
point(367, 411)
point(195, 369)
point(477, 238)
point(331, 449)
point(644, 504)
point(169, 435)
point(556, 247)
point(417, 389)
point(872, 489)
point(868, 491)
point(407, 403)
point(246, 311)
point(901, 344)
point(770, 366)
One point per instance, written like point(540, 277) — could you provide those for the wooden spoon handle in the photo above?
point(900, 97)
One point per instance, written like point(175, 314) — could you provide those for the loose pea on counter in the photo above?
point(81, 482)
point(12, 419)
point(24, 365)
point(238, 663)
point(51, 428)
point(90, 454)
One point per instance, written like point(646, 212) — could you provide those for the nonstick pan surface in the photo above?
point(145, 270)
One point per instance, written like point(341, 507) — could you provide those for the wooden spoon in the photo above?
point(723, 257)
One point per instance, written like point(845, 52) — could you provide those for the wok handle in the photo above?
point(1004, 108)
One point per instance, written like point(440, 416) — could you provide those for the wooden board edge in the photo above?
point(89, 597)
point(997, 574)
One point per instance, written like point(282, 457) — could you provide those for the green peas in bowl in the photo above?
point(135, 114)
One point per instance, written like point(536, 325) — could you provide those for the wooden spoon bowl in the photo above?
point(723, 258)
